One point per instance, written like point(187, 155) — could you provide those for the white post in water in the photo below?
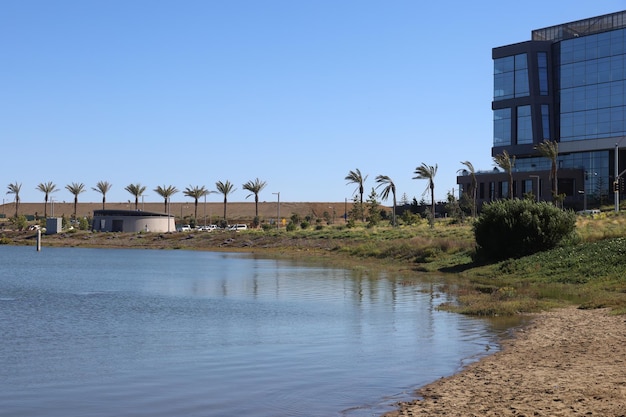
point(38, 240)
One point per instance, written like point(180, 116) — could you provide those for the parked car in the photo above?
point(184, 228)
point(238, 227)
point(207, 228)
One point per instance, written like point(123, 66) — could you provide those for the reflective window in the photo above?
point(542, 63)
point(524, 125)
point(502, 127)
point(592, 86)
point(545, 121)
point(510, 77)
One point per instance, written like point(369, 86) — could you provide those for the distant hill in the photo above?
point(235, 211)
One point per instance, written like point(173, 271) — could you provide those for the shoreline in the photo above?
point(564, 362)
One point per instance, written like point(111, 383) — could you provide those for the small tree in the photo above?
point(373, 209)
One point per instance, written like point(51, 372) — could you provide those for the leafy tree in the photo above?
point(196, 193)
point(75, 188)
point(355, 177)
point(390, 187)
point(506, 162)
point(516, 228)
point(550, 149)
point(136, 190)
point(225, 188)
point(255, 187)
point(453, 207)
point(103, 187)
point(404, 200)
point(47, 188)
point(357, 211)
point(166, 192)
point(373, 209)
point(14, 188)
point(473, 189)
point(428, 172)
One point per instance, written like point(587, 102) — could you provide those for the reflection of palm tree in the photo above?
point(195, 193)
point(14, 189)
point(355, 177)
point(472, 172)
point(103, 187)
point(550, 149)
point(506, 162)
point(75, 188)
point(224, 188)
point(255, 187)
point(136, 190)
point(428, 172)
point(166, 193)
point(389, 187)
point(47, 188)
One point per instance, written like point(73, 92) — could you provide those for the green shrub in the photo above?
point(516, 228)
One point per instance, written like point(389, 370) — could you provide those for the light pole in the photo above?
point(204, 209)
point(278, 211)
point(168, 214)
point(142, 204)
point(536, 176)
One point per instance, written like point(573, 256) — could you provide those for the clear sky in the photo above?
point(296, 93)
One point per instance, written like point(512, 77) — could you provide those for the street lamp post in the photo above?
point(204, 209)
point(536, 176)
point(168, 214)
point(278, 210)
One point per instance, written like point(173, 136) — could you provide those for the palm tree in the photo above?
point(75, 188)
point(47, 188)
point(428, 172)
point(166, 193)
point(550, 149)
point(389, 187)
point(15, 188)
point(136, 190)
point(255, 187)
point(472, 172)
point(195, 193)
point(506, 162)
point(103, 187)
point(225, 188)
point(355, 177)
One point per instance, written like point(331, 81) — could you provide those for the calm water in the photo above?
point(102, 332)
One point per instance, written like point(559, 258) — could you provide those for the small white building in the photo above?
point(132, 221)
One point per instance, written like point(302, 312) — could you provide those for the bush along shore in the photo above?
point(587, 267)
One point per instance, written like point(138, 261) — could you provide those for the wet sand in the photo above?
point(567, 362)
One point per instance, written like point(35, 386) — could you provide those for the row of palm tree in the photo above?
point(166, 191)
point(505, 161)
point(548, 149)
point(422, 172)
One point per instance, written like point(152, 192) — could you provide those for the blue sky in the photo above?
point(296, 93)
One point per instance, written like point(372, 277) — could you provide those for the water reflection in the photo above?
point(97, 332)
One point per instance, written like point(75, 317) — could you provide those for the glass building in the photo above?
point(567, 85)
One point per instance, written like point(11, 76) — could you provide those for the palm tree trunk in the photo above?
point(195, 211)
point(45, 208)
point(224, 208)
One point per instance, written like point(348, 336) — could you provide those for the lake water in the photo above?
point(107, 332)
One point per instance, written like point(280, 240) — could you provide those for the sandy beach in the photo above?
point(567, 362)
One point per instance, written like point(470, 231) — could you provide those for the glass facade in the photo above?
point(510, 77)
point(524, 125)
point(502, 127)
point(568, 85)
point(592, 80)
